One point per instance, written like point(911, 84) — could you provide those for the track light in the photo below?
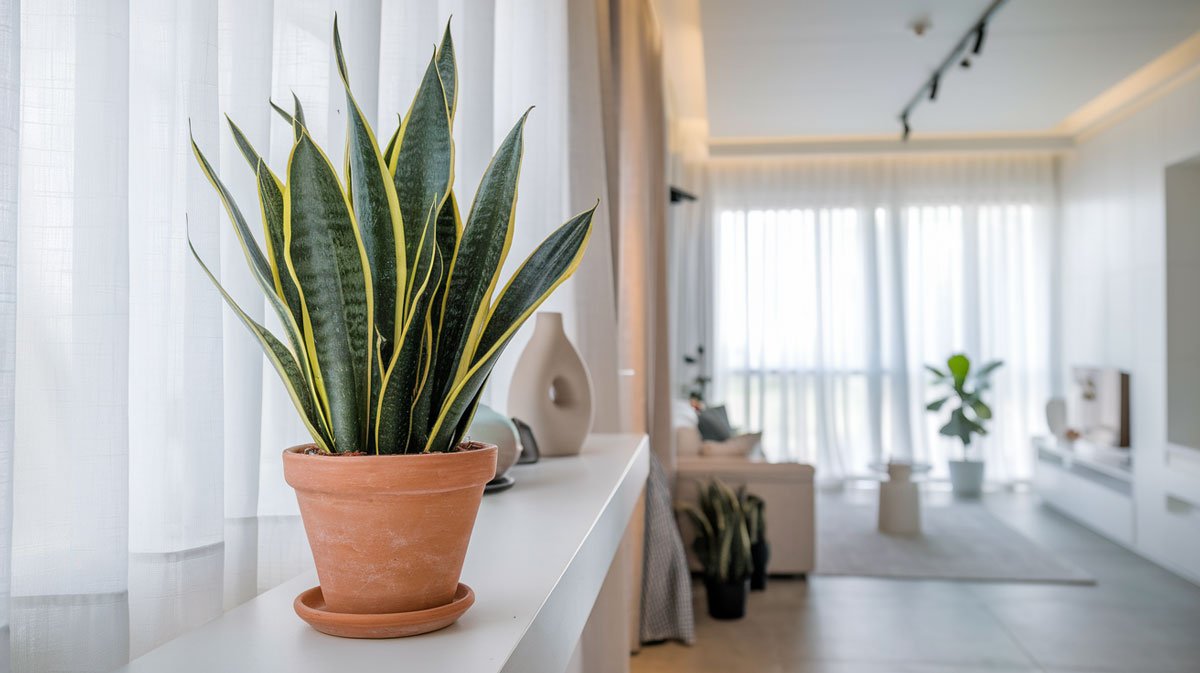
point(963, 53)
point(980, 32)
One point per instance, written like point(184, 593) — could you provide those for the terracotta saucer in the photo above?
point(310, 605)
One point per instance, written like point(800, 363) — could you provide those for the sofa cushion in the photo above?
point(739, 446)
point(714, 425)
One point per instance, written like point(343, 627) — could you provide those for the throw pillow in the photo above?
point(714, 424)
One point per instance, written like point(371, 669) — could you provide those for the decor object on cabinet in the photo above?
point(1056, 418)
point(698, 387)
point(899, 502)
point(965, 388)
point(492, 427)
point(723, 545)
point(551, 389)
point(756, 524)
point(389, 331)
point(529, 446)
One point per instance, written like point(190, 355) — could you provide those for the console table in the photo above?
point(542, 555)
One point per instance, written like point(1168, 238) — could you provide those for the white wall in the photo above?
point(1114, 296)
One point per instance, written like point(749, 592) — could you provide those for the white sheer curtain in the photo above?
point(138, 421)
point(837, 280)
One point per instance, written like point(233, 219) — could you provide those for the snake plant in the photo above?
point(754, 508)
point(722, 537)
point(390, 317)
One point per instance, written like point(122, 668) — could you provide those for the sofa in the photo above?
point(786, 488)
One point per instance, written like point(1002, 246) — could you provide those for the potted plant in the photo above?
point(756, 525)
point(723, 545)
point(964, 391)
point(390, 326)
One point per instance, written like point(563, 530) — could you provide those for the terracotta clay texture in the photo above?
point(389, 533)
point(310, 605)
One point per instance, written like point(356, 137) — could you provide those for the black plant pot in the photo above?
point(726, 600)
point(760, 552)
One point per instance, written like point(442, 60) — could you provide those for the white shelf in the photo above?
point(1094, 486)
point(538, 557)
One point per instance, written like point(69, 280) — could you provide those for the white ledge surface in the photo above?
point(537, 559)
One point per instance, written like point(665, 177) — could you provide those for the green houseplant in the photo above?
point(756, 525)
point(722, 544)
point(962, 389)
point(391, 323)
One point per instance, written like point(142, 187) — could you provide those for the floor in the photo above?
point(1138, 618)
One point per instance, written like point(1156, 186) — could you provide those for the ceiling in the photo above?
point(838, 68)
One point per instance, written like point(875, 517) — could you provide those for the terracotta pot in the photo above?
point(389, 533)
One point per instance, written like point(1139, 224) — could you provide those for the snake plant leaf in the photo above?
point(538, 276)
point(390, 150)
point(260, 268)
point(283, 360)
point(377, 211)
point(244, 145)
point(254, 254)
point(448, 70)
point(398, 389)
point(296, 121)
point(475, 271)
point(270, 202)
point(325, 255)
point(423, 165)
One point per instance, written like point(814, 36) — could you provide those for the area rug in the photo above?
point(959, 541)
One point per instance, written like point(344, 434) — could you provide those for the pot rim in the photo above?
point(358, 476)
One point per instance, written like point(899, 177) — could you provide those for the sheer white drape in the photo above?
point(837, 280)
point(138, 417)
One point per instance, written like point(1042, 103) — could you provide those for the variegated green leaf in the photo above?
point(548, 267)
point(423, 165)
point(377, 211)
point(448, 70)
point(270, 202)
point(326, 258)
point(296, 121)
point(475, 272)
point(260, 268)
point(283, 360)
point(408, 365)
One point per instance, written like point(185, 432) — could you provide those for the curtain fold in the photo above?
point(140, 427)
point(838, 279)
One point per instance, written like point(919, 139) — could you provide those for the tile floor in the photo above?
point(1139, 618)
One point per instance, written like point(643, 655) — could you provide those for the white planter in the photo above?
point(966, 478)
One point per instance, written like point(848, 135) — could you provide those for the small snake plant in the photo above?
point(722, 536)
point(391, 323)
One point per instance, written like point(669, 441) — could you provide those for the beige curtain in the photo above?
point(636, 144)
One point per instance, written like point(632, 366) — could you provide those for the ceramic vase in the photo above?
point(551, 389)
point(492, 427)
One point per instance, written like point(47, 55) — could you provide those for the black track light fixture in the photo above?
point(980, 33)
point(965, 50)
